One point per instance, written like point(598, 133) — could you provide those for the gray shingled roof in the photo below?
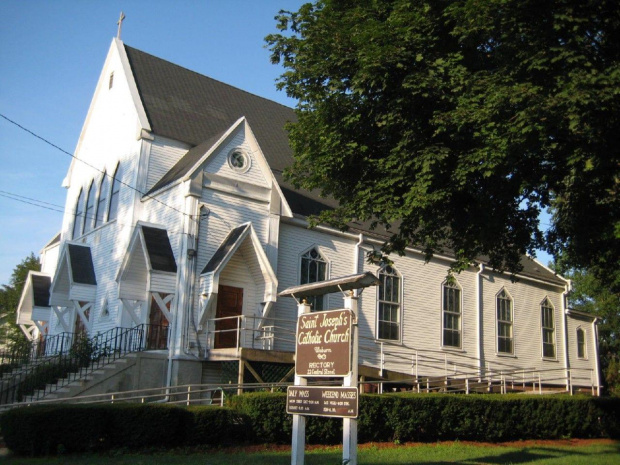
point(81, 264)
point(159, 249)
point(186, 106)
point(224, 249)
point(41, 290)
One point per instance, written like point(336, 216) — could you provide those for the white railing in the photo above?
point(251, 332)
point(189, 394)
point(430, 370)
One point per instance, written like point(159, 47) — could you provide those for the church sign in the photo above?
point(323, 344)
point(339, 402)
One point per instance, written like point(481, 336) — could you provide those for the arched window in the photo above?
point(313, 270)
point(505, 342)
point(78, 216)
point(116, 187)
point(388, 304)
point(89, 217)
point(451, 321)
point(548, 329)
point(102, 202)
point(581, 343)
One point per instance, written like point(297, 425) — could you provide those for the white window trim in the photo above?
point(585, 342)
point(328, 267)
point(247, 156)
point(555, 331)
point(76, 221)
point(512, 312)
point(458, 286)
point(400, 307)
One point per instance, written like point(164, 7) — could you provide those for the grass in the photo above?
point(598, 452)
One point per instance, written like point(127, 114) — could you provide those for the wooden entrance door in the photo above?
point(157, 329)
point(229, 305)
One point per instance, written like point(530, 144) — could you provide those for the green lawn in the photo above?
point(593, 454)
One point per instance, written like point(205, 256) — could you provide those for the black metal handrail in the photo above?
point(68, 357)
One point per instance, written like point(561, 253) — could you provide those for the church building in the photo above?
point(179, 232)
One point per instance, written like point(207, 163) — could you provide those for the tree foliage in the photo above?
point(453, 124)
point(11, 293)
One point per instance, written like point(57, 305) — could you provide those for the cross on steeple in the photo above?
point(120, 25)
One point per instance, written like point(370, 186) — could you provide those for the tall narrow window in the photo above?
point(548, 329)
point(451, 316)
point(89, 217)
point(102, 203)
point(581, 343)
point(388, 318)
point(116, 187)
point(504, 323)
point(313, 269)
point(78, 216)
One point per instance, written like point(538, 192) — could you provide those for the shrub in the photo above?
point(217, 425)
point(51, 429)
point(262, 417)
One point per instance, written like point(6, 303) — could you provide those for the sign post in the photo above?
point(349, 426)
point(327, 346)
point(299, 421)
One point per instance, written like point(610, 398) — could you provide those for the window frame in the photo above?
point(394, 274)
point(78, 221)
point(91, 203)
point(114, 195)
point(102, 201)
point(544, 330)
point(499, 323)
point(444, 312)
point(314, 300)
point(583, 344)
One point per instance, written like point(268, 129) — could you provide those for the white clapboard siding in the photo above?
point(218, 161)
point(164, 154)
point(163, 282)
point(527, 331)
point(83, 292)
point(587, 363)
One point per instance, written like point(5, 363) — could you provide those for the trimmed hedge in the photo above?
point(428, 418)
point(262, 418)
point(83, 428)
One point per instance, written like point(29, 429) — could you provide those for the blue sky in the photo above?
point(51, 54)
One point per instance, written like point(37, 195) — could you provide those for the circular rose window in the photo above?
point(238, 160)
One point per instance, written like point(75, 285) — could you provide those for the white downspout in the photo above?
point(569, 286)
point(356, 259)
point(596, 359)
point(479, 319)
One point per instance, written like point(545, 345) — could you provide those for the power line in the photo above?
point(10, 196)
point(19, 198)
point(89, 165)
point(30, 198)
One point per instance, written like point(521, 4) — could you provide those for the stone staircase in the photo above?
point(108, 378)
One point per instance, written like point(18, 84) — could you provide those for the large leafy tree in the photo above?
point(455, 123)
point(10, 295)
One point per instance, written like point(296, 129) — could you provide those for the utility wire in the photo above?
point(88, 164)
point(30, 198)
point(9, 196)
point(19, 198)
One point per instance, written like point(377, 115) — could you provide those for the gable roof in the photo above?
point(83, 271)
point(159, 249)
point(187, 106)
point(41, 289)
